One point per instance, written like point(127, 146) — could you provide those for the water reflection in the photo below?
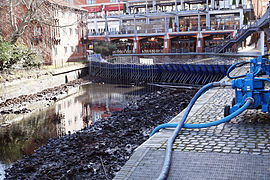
point(92, 102)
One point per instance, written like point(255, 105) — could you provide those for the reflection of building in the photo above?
point(98, 101)
point(102, 107)
point(176, 26)
point(71, 109)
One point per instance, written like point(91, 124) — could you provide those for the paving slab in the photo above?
point(190, 166)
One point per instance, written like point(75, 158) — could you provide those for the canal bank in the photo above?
point(238, 149)
point(38, 89)
point(27, 82)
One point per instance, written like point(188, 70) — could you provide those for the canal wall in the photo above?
point(177, 73)
point(37, 83)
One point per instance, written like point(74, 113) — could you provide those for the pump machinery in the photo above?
point(252, 91)
point(255, 84)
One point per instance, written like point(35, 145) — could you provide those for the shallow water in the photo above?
point(73, 113)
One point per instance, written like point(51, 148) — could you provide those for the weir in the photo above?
point(166, 72)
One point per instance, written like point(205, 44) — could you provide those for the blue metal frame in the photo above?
point(255, 84)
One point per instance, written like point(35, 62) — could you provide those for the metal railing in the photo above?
point(248, 28)
point(162, 30)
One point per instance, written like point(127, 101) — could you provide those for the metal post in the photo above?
point(241, 18)
point(177, 23)
point(182, 5)
point(165, 24)
point(135, 28)
point(199, 22)
point(106, 25)
point(127, 7)
point(119, 7)
point(146, 6)
point(262, 42)
point(154, 6)
point(208, 24)
point(212, 4)
point(95, 22)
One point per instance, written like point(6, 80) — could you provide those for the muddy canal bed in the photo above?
point(99, 151)
point(26, 132)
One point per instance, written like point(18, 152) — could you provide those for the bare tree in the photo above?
point(21, 14)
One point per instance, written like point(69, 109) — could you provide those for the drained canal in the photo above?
point(91, 103)
point(73, 113)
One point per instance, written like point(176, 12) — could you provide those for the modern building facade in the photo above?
point(168, 26)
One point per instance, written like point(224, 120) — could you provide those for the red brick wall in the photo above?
point(39, 42)
point(79, 2)
point(102, 1)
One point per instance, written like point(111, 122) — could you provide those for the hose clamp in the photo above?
point(222, 84)
point(251, 99)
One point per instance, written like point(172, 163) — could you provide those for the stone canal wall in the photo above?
point(37, 83)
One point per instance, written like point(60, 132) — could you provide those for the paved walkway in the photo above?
point(239, 149)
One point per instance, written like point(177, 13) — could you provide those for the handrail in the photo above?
point(245, 28)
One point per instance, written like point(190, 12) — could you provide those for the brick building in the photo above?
point(58, 36)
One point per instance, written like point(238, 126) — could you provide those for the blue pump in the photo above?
point(255, 84)
point(252, 91)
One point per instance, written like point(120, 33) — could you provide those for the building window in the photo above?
point(90, 1)
point(64, 31)
point(83, 49)
point(55, 51)
point(113, 0)
point(71, 49)
point(76, 31)
point(65, 50)
point(70, 31)
point(77, 49)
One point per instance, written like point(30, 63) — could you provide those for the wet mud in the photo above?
point(100, 151)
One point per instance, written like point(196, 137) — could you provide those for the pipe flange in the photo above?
point(251, 99)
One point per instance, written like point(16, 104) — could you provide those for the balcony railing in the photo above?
point(162, 30)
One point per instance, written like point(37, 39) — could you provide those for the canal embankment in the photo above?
point(27, 91)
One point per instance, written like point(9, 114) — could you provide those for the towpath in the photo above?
point(239, 149)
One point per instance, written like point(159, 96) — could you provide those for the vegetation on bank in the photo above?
point(104, 48)
point(18, 55)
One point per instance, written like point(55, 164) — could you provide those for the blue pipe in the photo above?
point(203, 125)
point(232, 67)
point(167, 162)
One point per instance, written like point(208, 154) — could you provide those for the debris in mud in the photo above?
point(99, 151)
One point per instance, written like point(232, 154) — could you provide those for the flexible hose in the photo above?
point(167, 162)
point(236, 65)
point(205, 125)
